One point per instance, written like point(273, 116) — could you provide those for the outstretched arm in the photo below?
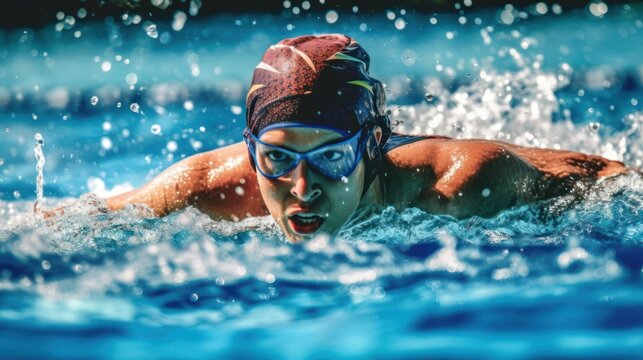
point(464, 178)
point(220, 183)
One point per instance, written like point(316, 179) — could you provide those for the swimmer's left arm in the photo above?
point(478, 177)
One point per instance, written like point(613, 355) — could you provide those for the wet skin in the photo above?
point(460, 178)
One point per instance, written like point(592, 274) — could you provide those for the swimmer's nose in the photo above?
point(303, 185)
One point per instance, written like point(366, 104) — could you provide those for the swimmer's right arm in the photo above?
point(220, 183)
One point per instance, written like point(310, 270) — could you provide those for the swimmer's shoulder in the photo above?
point(461, 177)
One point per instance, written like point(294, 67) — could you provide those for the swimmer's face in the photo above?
point(304, 202)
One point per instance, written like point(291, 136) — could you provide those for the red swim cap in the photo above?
point(316, 80)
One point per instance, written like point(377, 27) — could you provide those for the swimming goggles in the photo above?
point(336, 161)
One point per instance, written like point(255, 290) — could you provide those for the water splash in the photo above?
point(40, 163)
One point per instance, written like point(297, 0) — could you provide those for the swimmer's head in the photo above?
point(319, 81)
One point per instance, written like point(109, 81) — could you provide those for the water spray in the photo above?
point(40, 163)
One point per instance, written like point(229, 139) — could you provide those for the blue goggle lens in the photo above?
point(335, 160)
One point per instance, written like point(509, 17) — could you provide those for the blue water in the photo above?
point(560, 278)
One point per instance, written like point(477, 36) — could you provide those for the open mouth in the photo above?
point(304, 223)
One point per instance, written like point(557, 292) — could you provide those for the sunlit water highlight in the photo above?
point(560, 278)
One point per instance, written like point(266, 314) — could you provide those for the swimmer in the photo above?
point(318, 154)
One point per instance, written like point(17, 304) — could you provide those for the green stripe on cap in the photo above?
point(342, 56)
point(362, 83)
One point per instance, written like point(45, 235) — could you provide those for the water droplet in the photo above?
point(171, 146)
point(131, 79)
point(107, 126)
point(150, 30)
point(106, 143)
point(270, 278)
point(188, 105)
point(39, 139)
point(94, 100)
point(428, 97)
point(46, 265)
point(486, 192)
point(155, 129)
point(239, 191)
point(332, 16)
point(134, 107)
point(593, 126)
point(106, 66)
point(400, 24)
point(16, 194)
point(179, 20)
point(237, 110)
point(194, 297)
point(344, 179)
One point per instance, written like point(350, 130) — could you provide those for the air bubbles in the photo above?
point(46, 265)
point(462, 20)
point(593, 126)
point(188, 105)
point(239, 191)
point(390, 15)
point(194, 297)
point(16, 194)
point(305, 5)
point(344, 179)
point(81, 13)
point(433, 20)
point(134, 107)
point(486, 192)
point(428, 97)
point(155, 129)
point(449, 35)
point(106, 66)
point(94, 100)
point(332, 16)
point(237, 110)
point(363, 27)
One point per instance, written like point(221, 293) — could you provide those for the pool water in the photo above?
point(118, 102)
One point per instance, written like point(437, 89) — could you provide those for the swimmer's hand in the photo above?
point(88, 204)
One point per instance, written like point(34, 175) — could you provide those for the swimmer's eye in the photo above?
point(276, 155)
point(333, 155)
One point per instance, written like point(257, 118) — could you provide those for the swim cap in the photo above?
point(319, 80)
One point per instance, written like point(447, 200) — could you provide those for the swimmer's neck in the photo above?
point(373, 202)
